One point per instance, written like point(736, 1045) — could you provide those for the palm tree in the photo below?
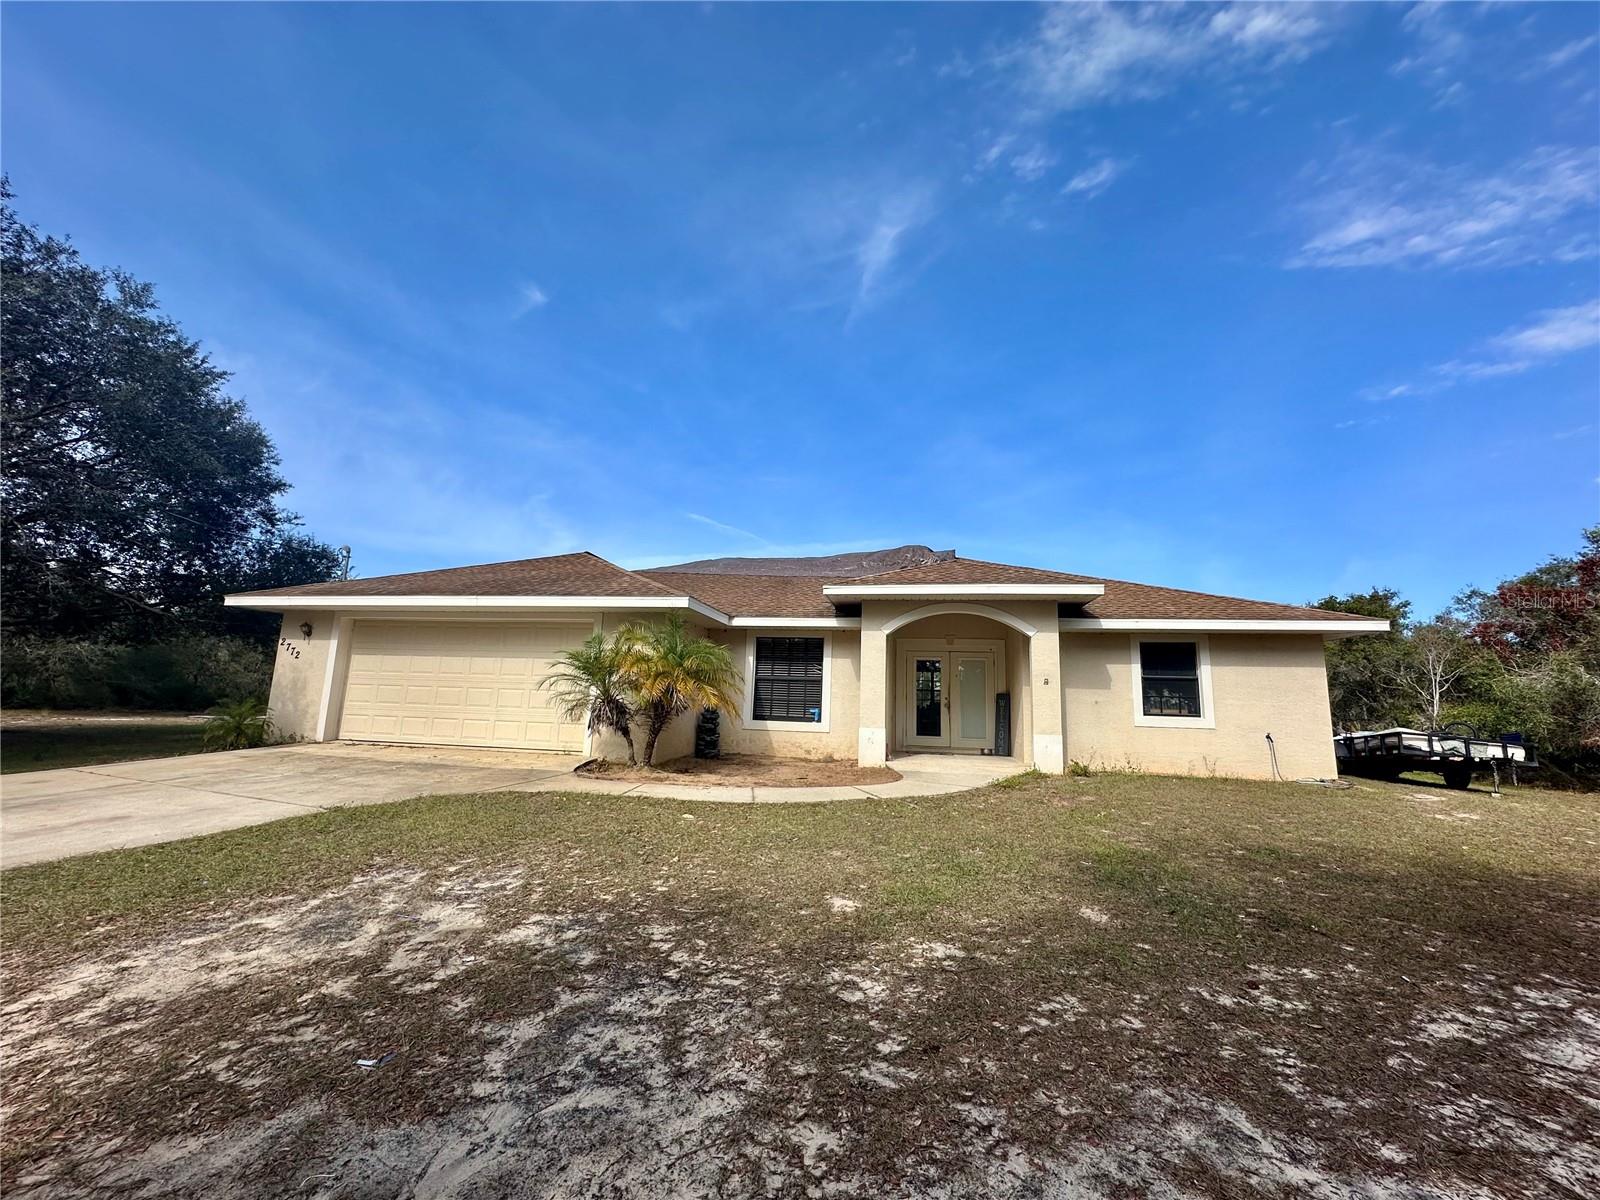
point(237, 725)
point(671, 670)
point(591, 683)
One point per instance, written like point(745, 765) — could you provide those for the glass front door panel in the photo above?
point(972, 695)
point(928, 681)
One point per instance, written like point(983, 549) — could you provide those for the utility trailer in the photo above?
point(1457, 752)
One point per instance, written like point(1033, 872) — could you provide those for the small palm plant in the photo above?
point(238, 725)
point(672, 670)
point(591, 684)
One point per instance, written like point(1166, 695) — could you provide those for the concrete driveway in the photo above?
point(54, 814)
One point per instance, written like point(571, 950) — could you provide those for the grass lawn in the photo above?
point(1112, 986)
point(42, 745)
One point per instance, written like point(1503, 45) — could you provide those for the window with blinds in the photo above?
point(788, 679)
point(1171, 679)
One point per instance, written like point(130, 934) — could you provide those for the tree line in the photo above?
point(1523, 658)
point(136, 492)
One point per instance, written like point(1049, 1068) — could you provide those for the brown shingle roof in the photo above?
point(755, 595)
point(970, 570)
point(1123, 600)
point(581, 574)
point(773, 596)
point(851, 565)
point(586, 574)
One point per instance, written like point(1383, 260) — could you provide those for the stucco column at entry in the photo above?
point(872, 744)
point(1044, 675)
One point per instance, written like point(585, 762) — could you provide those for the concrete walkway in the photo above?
point(47, 815)
point(922, 775)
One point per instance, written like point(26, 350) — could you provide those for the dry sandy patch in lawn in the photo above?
point(566, 1021)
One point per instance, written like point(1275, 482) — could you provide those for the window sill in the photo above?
point(789, 726)
point(1174, 722)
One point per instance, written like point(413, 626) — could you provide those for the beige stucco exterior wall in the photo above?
point(296, 696)
point(838, 740)
point(1020, 688)
point(1260, 683)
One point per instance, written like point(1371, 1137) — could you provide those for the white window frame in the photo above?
point(1208, 709)
point(747, 721)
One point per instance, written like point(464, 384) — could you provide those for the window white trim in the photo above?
point(1208, 709)
point(749, 722)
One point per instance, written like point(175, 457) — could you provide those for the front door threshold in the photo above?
point(953, 751)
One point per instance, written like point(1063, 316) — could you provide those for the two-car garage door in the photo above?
point(458, 683)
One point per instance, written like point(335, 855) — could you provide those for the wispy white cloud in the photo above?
point(822, 243)
point(1095, 178)
point(1554, 332)
point(1026, 157)
point(729, 529)
point(1440, 46)
point(1372, 209)
point(1032, 164)
point(1087, 54)
point(1544, 337)
point(1562, 55)
point(995, 150)
point(529, 297)
point(882, 240)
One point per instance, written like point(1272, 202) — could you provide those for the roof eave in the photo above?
point(328, 600)
point(966, 591)
point(1327, 628)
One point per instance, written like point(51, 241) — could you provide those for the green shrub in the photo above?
point(1021, 779)
point(188, 673)
point(239, 725)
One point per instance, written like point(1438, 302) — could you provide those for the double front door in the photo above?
point(947, 700)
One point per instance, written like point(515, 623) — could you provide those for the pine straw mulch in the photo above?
point(744, 770)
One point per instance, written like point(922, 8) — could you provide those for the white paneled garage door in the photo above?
point(459, 684)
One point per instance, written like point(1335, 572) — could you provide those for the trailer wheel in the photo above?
point(1457, 776)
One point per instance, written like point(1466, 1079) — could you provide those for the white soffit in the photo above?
point(964, 591)
point(1333, 629)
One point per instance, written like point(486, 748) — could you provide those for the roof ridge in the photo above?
point(630, 573)
point(740, 574)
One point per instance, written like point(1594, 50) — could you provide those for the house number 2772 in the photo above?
point(289, 646)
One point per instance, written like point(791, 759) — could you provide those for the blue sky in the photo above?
point(1273, 301)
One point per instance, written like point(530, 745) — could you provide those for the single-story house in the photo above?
point(860, 656)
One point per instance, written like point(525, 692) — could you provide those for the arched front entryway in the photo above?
point(960, 608)
point(961, 676)
point(958, 684)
